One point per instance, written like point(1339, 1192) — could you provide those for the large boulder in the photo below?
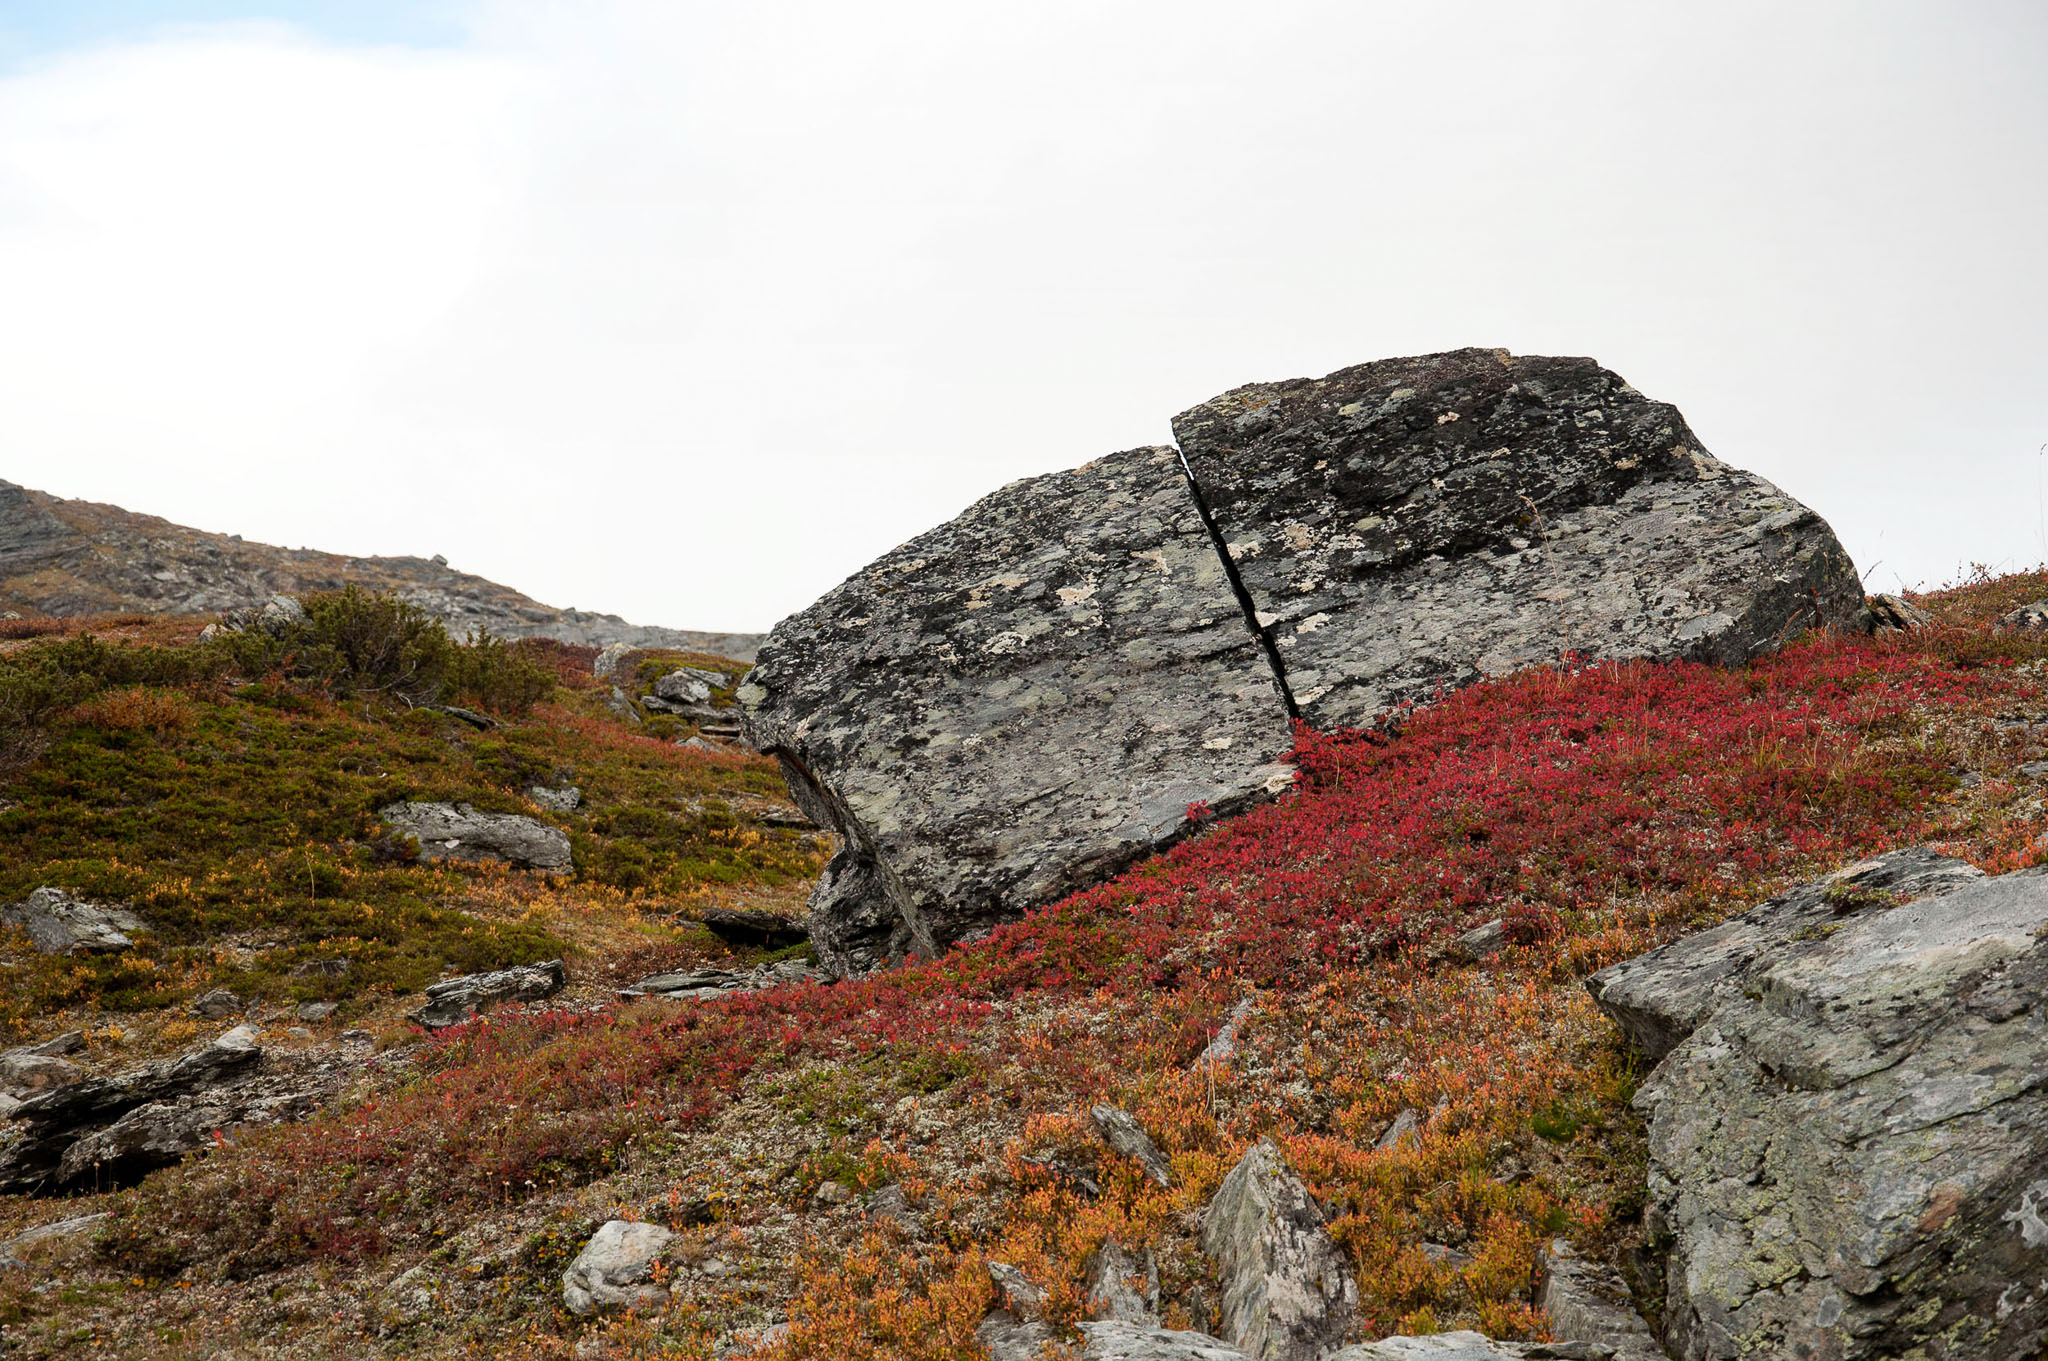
point(1414, 524)
point(1015, 705)
point(1849, 1138)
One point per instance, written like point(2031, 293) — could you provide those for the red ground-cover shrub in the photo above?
point(1543, 797)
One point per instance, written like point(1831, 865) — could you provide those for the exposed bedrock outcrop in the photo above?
point(1015, 705)
point(1418, 523)
point(1849, 1132)
point(1026, 699)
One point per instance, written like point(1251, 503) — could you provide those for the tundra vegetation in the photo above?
point(227, 791)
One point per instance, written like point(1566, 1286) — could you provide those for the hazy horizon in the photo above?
point(685, 312)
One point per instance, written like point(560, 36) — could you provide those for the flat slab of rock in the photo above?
point(1588, 1302)
point(1288, 1294)
point(1849, 1149)
point(455, 1000)
point(1467, 1346)
point(615, 1270)
point(1015, 705)
point(1420, 523)
point(60, 924)
point(1116, 1340)
point(456, 831)
point(699, 984)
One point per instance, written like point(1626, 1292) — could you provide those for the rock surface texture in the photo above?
point(1420, 523)
point(1022, 701)
point(455, 831)
point(455, 1000)
point(1287, 1293)
point(1849, 1140)
point(615, 1270)
point(1015, 705)
point(60, 924)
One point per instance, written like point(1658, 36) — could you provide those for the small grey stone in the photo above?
point(458, 832)
point(60, 924)
point(1288, 1293)
point(1020, 1296)
point(1005, 1337)
point(1223, 1046)
point(1406, 1129)
point(1481, 942)
point(1117, 1340)
point(455, 1000)
point(615, 1269)
point(1587, 1302)
point(24, 1073)
point(317, 1011)
point(216, 1005)
point(1122, 1132)
point(565, 800)
point(1121, 1285)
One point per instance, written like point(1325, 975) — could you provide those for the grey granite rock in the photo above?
point(455, 1000)
point(1121, 1285)
point(1288, 1294)
point(1588, 1302)
point(1005, 1337)
point(1115, 1340)
point(615, 1270)
point(23, 1074)
point(1661, 997)
point(1467, 1346)
point(1414, 524)
point(1895, 614)
point(1122, 1132)
point(1015, 705)
point(702, 983)
point(564, 800)
point(60, 924)
point(456, 831)
point(1849, 1143)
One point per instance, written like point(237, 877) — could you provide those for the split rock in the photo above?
point(1416, 524)
point(1014, 705)
point(1849, 1142)
point(456, 831)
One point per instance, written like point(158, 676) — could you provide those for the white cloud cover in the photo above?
point(688, 310)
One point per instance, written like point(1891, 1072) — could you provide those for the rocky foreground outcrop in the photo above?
point(1849, 1125)
point(1027, 699)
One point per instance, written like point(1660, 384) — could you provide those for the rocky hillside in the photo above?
point(77, 558)
point(1667, 989)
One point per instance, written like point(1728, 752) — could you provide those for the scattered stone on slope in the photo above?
point(60, 924)
point(455, 1000)
point(1469, 1346)
point(564, 800)
point(1020, 1296)
point(456, 831)
point(1481, 943)
point(1659, 998)
point(1895, 614)
point(1122, 1132)
point(699, 984)
point(740, 926)
point(1116, 1340)
point(1014, 705)
point(615, 1270)
point(1414, 524)
point(1222, 1047)
point(1588, 1302)
point(1849, 1142)
point(54, 1241)
point(688, 685)
point(1121, 1285)
point(24, 1073)
point(1287, 1293)
point(2028, 618)
point(278, 616)
point(216, 1004)
point(1406, 1128)
point(1005, 1337)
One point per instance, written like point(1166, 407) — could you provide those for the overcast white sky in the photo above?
point(687, 310)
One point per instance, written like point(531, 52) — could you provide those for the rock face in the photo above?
point(1024, 700)
point(1419, 523)
point(1588, 1302)
point(1287, 1293)
point(615, 1269)
point(60, 924)
point(1849, 1140)
point(1015, 705)
point(455, 831)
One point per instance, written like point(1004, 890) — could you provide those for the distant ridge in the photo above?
point(64, 558)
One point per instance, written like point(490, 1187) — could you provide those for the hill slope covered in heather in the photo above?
point(75, 558)
point(838, 1165)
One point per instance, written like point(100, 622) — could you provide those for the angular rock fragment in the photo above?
point(456, 831)
point(1849, 1141)
point(1588, 1302)
point(216, 1004)
point(1115, 1340)
point(455, 1000)
point(1468, 1346)
point(1015, 705)
point(565, 800)
point(23, 1073)
point(1122, 1132)
point(1416, 524)
point(1005, 1337)
point(615, 1270)
point(60, 924)
point(1122, 1285)
point(1895, 614)
point(1288, 1294)
point(2028, 618)
point(697, 984)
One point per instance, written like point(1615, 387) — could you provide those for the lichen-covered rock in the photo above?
point(1413, 524)
point(1117, 1340)
point(1122, 1132)
point(1586, 1301)
point(1849, 1148)
point(1468, 1346)
point(453, 1001)
point(1121, 1285)
point(456, 831)
point(60, 924)
point(1288, 1294)
point(1014, 705)
point(615, 1270)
